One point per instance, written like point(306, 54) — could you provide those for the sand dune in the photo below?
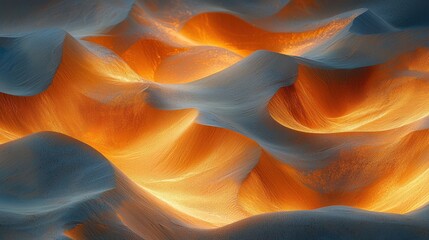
point(69, 186)
point(185, 119)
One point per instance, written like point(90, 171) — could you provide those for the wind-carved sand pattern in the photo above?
point(214, 119)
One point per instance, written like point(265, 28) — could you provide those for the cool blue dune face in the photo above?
point(186, 119)
point(44, 177)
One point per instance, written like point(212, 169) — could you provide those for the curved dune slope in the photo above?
point(75, 193)
point(186, 119)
